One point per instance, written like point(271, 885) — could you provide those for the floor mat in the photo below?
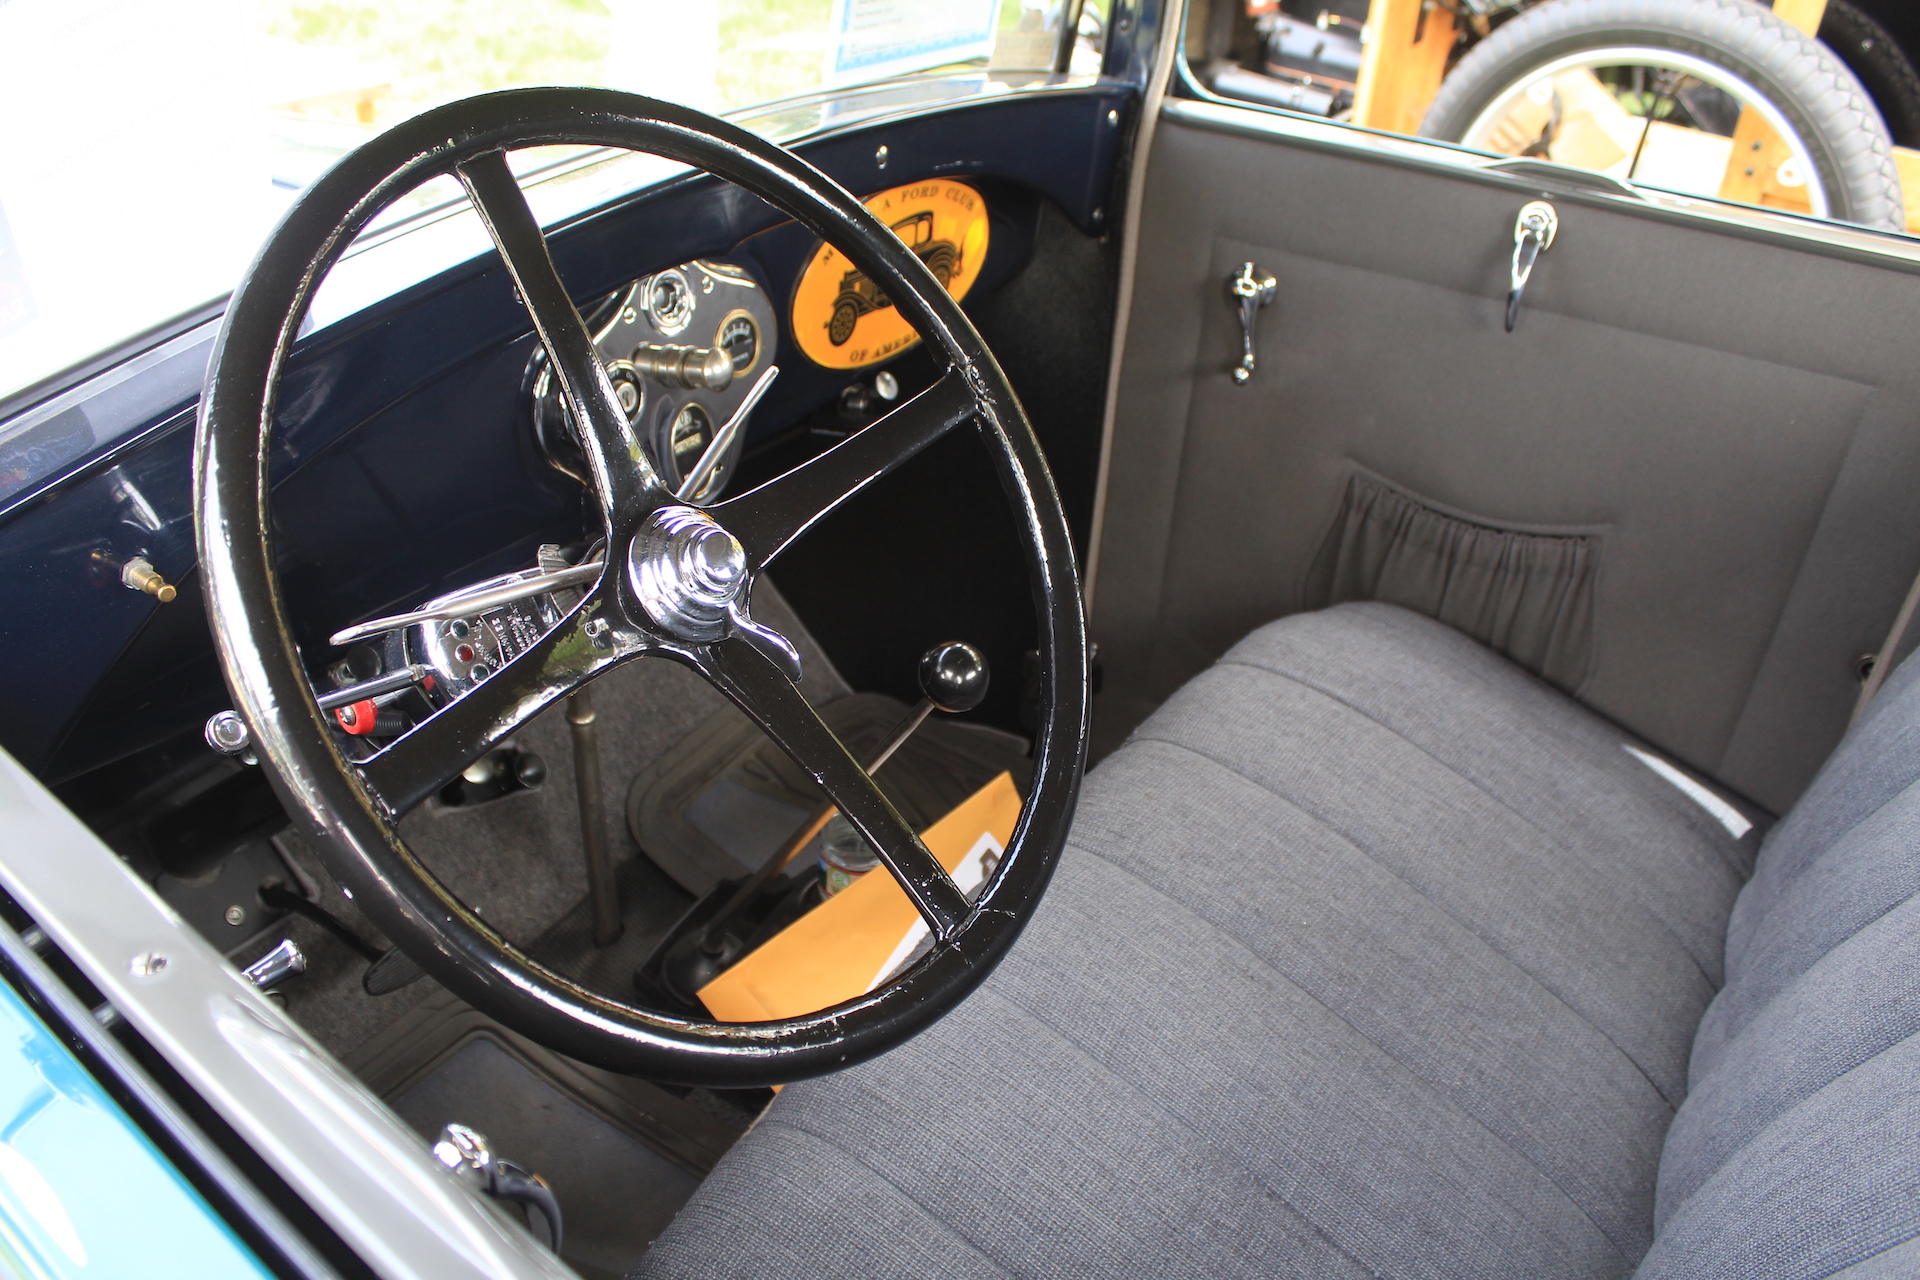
point(621, 1155)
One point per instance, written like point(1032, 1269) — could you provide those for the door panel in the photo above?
point(1733, 419)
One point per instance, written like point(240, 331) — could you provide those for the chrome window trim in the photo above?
point(1833, 239)
point(372, 1179)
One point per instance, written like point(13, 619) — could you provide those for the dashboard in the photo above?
point(419, 449)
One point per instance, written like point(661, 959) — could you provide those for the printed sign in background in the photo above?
point(873, 39)
point(842, 320)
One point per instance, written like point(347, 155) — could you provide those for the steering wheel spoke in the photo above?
point(418, 762)
point(622, 473)
point(770, 517)
point(741, 672)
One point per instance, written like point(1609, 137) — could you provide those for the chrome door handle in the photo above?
point(1252, 289)
point(1533, 234)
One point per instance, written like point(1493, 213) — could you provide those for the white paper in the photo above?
point(968, 875)
point(869, 40)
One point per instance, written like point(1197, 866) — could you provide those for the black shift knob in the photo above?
point(953, 676)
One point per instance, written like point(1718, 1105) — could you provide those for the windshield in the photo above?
point(152, 144)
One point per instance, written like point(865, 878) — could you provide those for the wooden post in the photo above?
point(1804, 14)
point(1400, 69)
point(1753, 167)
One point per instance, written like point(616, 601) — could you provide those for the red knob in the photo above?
point(357, 717)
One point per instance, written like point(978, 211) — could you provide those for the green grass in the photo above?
point(440, 50)
point(770, 49)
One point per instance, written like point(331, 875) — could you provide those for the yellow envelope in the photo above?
point(843, 947)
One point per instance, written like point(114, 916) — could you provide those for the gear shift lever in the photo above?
point(953, 678)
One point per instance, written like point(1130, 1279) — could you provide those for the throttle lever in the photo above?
point(1533, 233)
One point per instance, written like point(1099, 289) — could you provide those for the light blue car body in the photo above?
point(83, 1192)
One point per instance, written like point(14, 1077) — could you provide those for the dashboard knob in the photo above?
point(697, 368)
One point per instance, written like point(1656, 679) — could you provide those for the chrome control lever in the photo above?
point(716, 450)
point(1253, 290)
point(283, 962)
point(1533, 233)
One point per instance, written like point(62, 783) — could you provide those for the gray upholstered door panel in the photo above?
point(1737, 422)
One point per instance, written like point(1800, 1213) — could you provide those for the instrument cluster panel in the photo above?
point(682, 347)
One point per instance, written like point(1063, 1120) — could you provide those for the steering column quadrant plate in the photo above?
point(677, 584)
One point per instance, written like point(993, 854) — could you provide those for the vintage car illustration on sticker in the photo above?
point(859, 295)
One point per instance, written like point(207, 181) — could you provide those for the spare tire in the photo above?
point(1820, 101)
point(1875, 57)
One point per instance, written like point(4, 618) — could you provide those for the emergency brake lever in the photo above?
point(1533, 233)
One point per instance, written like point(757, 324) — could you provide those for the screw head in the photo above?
point(1113, 116)
point(148, 964)
point(236, 915)
point(880, 157)
point(227, 733)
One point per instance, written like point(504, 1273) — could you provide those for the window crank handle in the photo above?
point(1533, 233)
point(1253, 289)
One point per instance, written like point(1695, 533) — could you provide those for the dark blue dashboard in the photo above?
point(404, 464)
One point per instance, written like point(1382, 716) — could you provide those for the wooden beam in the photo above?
point(1804, 14)
point(1908, 162)
point(1408, 42)
point(1753, 167)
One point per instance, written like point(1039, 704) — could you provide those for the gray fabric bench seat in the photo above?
point(1371, 955)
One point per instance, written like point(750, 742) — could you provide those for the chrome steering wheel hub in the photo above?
point(690, 574)
point(691, 577)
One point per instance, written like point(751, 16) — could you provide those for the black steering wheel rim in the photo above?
point(354, 822)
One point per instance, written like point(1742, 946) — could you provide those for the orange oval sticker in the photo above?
point(842, 320)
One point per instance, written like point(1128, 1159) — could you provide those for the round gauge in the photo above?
point(627, 388)
point(739, 336)
point(687, 439)
point(670, 302)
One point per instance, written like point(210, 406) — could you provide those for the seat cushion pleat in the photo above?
point(1850, 1006)
point(1828, 1184)
point(1553, 763)
point(1578, 931)
point(1877, 761)
point(1866, 873)
point(1392, 968)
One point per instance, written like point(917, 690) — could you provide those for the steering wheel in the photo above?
point(676, 583)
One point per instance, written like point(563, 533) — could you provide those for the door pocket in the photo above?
point(1525, 593)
